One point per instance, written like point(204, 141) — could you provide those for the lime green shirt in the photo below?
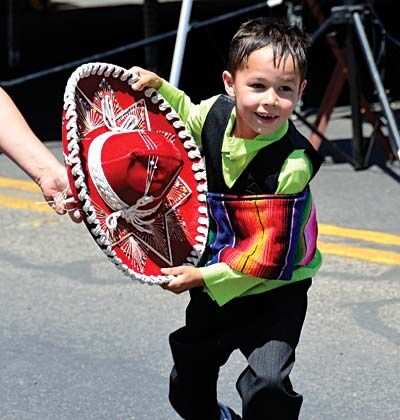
point(222, 282)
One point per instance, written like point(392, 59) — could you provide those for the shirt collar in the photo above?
point(235, 148)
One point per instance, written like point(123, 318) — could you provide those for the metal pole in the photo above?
point(355, 101)
point(180, 43)
point(322, 30)
point(392, 126)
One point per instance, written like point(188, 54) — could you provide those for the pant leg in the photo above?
point(197, 356)
point(264, 386)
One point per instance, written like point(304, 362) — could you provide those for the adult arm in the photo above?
point(24, 148)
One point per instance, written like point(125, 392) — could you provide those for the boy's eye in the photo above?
point(257, 85)
point(286, 89)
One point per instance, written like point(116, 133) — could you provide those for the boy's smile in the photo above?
point(268, 118)
point(265, 93)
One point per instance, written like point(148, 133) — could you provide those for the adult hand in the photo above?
point(57, 192)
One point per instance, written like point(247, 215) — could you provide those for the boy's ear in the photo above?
point(229, 83)
point(302, 87)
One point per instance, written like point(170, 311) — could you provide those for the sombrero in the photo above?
point(136, 172)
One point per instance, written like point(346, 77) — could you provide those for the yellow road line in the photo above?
point(13, 202)
point(364, 235)
point(343, 250)
point(360, 253)
point(324, 229)
point(19, 184)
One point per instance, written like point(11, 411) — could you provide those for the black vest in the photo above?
point(261, 175)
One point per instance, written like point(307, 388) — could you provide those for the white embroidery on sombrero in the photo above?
point(98, 176)
point(159, 230)
point(105, 110)
point(135, 253)
point(78, 116)
point(147, 140)
point(130, 123)
point(88, 118)
point(169, 136)
point(134, 214)
point(138, 217)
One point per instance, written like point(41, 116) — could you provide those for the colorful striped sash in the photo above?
point(263, 236)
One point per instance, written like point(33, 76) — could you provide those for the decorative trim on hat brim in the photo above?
point(74, 161)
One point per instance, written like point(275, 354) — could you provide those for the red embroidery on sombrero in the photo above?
point(138, 175)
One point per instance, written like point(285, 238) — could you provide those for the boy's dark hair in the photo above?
point(257, 33)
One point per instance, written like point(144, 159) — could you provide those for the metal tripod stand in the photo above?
point(352, 14)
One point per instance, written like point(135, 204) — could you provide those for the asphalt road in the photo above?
point(79, 341)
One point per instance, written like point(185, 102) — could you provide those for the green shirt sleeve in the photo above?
point(295, 174)
point(192, 115)
point(223, 283)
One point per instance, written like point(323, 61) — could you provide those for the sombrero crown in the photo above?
point(136, 172)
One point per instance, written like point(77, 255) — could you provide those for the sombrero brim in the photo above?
point(178, 234)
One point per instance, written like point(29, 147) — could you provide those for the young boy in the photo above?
point(251, 292)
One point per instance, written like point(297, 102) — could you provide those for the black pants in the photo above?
point(265, 328)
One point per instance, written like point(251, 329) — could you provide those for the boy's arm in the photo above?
point(224, 283)
point(192, 115)
point(146, 78)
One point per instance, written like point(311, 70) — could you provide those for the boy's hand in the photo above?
point(146, 79)
point(186, 278)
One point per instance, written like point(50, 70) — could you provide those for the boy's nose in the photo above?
point(270, 98)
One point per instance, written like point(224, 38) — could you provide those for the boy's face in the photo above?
point(265, 95)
